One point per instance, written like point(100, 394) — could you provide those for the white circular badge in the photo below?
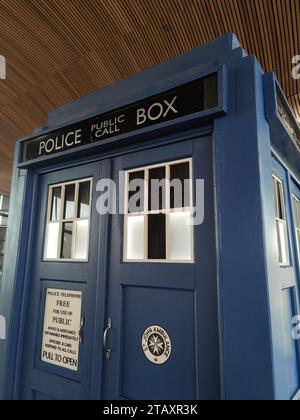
point(156, 345)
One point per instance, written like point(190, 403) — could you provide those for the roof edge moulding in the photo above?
point(100, 101)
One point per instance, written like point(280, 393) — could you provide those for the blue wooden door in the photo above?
point(58, 318)
point(296, 218)
point(131, 312)
point(161, 318)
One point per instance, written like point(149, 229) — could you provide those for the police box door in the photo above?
point(62, 280)
point(160, 339)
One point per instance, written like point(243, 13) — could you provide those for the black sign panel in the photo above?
point(187, 99)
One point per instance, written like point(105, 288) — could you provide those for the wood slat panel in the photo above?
point(58, 51)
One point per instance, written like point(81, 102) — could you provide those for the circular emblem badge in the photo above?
point(156, 345)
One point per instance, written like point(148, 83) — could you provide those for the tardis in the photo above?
point(112, 292)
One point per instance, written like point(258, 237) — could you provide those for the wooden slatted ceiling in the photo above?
point(58, 51)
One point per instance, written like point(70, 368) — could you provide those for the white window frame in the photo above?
point(282, 222)
point(296, 219)
point(166, 211)
point(72, 220)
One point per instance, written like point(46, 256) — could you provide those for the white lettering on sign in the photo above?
point(156, 111)
point(60, 142)
point(108, 127)
point(61, 333)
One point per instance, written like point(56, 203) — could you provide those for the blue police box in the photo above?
point(103, 301)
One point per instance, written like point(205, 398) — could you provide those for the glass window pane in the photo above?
point(157, 188)
point(56, 204)
point(136, 192)
point(66, 246)
point(4, 203)
point(52, 238)
point(296, 205)
point(82, 240)
point(69, 201)
point(282, 242)
point(180, 185)
point(84, 199)
point(2, 233)
point(135, 238)
point(2, 247)
point(180, 236)
point(275, 196)
point(157, 236)
point(3, 221)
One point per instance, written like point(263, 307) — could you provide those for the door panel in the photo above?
point(63, 283)
point(179, 298)
point(175, 379)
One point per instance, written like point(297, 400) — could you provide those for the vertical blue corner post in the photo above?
point(283, 281)
point(12, 288)
point(242, 163)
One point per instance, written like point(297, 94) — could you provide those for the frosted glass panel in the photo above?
point(180, 237)
point(82, 240)
point(282, 242)
point(135, 237)
point(51, 249)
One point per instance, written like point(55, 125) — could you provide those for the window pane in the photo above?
point(56, 204)
point(282, 242)
point(180, 185)
point(69, 201)
point(52, 238)
point(157, 188)
point(66, 247)
point(180, 236)
point(157, 236)
point(82, 240)
point(296, 204)
point(84, 199)
point(280, 198)
point(136, 192)
point(3, 221)
point(4, 203)
point(135, 238)
point(2, 233)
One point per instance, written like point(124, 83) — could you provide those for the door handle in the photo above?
point(105, 335)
